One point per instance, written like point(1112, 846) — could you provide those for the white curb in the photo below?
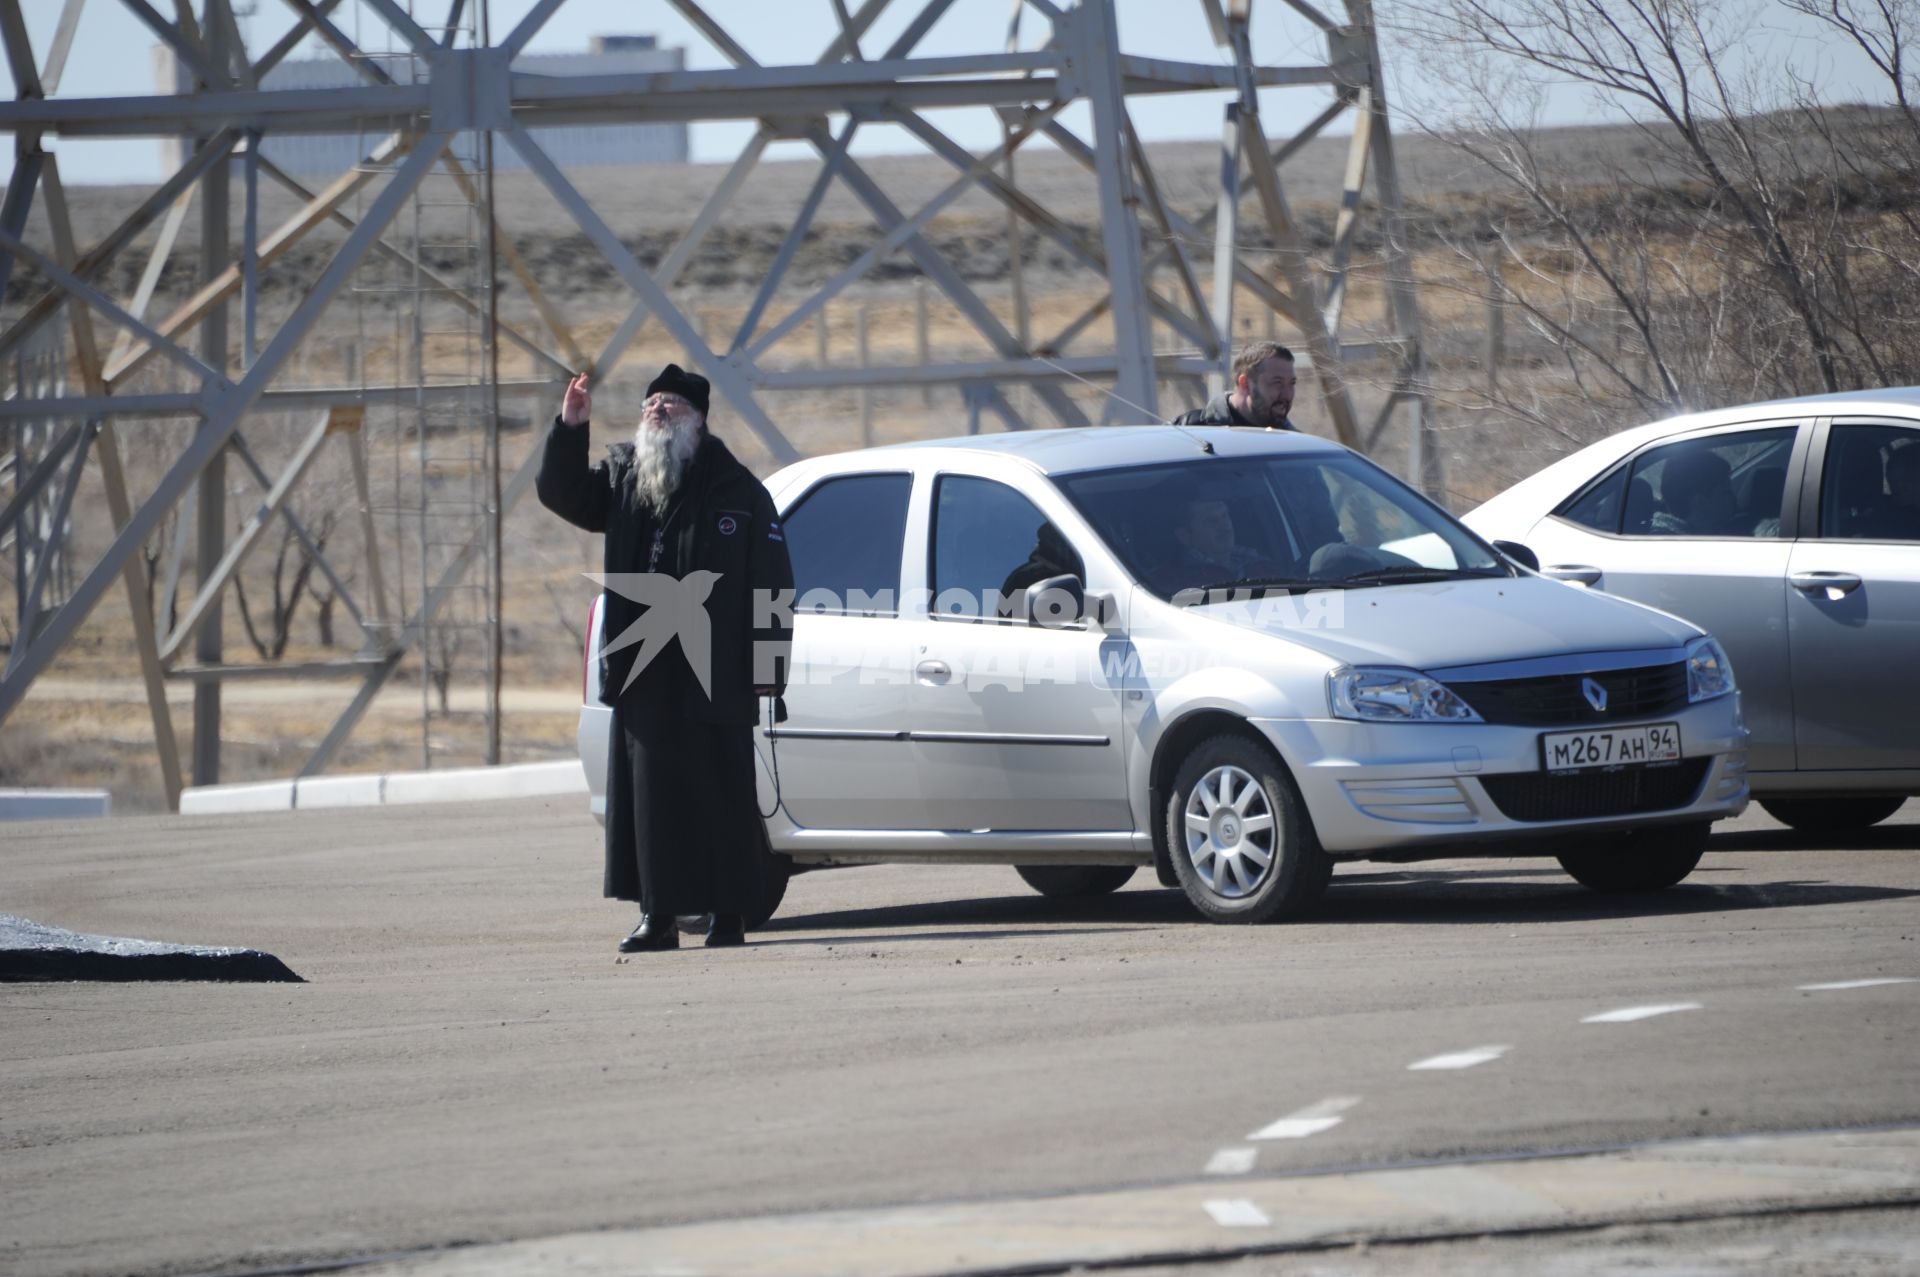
point(338, 791)
point(274, 795)
point(467, 784)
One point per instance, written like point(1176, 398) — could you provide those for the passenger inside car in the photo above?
point(1205, 549)
point(1760, 507)
point(1903, 484)
point(1642, 505)
point(1892, 514)
point(1053, 555)
point(1696, 493)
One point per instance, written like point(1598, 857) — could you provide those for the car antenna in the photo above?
point(1206, 445)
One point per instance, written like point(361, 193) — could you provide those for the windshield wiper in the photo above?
point(1407, 574)
point(1287, 583)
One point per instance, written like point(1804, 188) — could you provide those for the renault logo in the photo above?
point(1596, 695)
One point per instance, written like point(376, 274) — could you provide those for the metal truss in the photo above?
point(1169, 312)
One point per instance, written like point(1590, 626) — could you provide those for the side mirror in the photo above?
point(1055, 603)
point(1520, 554)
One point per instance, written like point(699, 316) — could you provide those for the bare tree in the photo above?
point(287, 591)
point(442, 652)
point(1760, 241)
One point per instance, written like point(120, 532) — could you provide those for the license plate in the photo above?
point(1610, 747)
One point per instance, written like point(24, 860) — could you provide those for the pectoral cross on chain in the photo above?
point(659, 543)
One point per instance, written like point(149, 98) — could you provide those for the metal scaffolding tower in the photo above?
point(443, 449)
point(416, 227)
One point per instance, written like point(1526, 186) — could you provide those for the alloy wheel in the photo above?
point(1230, 832)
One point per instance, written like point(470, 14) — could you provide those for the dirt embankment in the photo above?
point(738, 255)
point(1450, 196)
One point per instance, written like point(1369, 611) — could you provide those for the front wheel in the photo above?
point(1832, 815)
point(774, 870)
point(1238, 835)
point(1073, 882)
point(1642, 860)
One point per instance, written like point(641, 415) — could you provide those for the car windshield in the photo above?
point(1328, 520)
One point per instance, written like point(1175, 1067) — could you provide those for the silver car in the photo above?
point(1791, 530)
point(1236, 656)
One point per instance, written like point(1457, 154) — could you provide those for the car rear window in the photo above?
point(845, 538)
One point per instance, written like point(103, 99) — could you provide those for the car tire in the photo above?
point(1644, 860)
point(1074, 882)
point(1243, 805)
point(1832, 815)
point(775, 871)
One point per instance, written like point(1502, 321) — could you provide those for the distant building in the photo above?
point(573, 146)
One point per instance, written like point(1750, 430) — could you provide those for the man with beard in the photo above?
point(1262, 393)
point(684, 833)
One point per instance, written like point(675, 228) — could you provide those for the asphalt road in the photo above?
point(471, 1061)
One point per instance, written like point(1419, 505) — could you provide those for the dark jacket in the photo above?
point(725, 523)
point(1219, 412)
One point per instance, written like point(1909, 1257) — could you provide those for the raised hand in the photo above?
point(577, 407)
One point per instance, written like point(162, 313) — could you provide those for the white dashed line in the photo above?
point(1626, 1014)
point(1461, 1059)
point(1854, 984)
point(1232, 1161)
point(1310, 1120)
point(1237, 1212)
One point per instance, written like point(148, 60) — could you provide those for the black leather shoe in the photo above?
point(726, 930)
point(651, 935)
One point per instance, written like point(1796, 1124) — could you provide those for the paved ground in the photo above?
point(471, 1061)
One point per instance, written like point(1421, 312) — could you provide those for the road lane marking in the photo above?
point(1232, 1161)
point(1310, 1120)
point(1626, 1014)
point(1237, 1212)
point(1855, 984)
point(1461, 1059)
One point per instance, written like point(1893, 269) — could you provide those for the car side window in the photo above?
point(1599, 505)
point(845, 537)
point(1870, 485)
point(989, 543)
point(1724, 485)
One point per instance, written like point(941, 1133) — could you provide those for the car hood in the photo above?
point(1447, 624)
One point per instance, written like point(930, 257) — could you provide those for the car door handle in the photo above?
point(1834, 583)
point(933, 671)
point(1573, 572)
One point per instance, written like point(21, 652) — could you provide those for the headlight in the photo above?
point(1395, 696)
point(1709, 672)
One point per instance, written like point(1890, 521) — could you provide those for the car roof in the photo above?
point(1547, 486)
point(1902, 400)
point(1896, 397)
point(1070, 449)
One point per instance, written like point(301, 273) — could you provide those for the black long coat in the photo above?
point(683, 826)
point(723, 521)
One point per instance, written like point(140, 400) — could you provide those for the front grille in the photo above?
point(1558, 700)
point(1627, 791)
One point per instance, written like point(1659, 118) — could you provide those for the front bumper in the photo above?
point(1394, 787)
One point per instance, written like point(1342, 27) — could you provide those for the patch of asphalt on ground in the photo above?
point(472, 1061)
point(1851, 1243)
point(30, 951)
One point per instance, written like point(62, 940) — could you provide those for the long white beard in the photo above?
point(660, 459)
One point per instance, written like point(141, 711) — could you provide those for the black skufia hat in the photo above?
point(675, 380)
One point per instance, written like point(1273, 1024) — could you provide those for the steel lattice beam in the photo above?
point(1144, 256)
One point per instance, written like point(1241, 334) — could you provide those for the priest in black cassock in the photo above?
point(690, 645)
